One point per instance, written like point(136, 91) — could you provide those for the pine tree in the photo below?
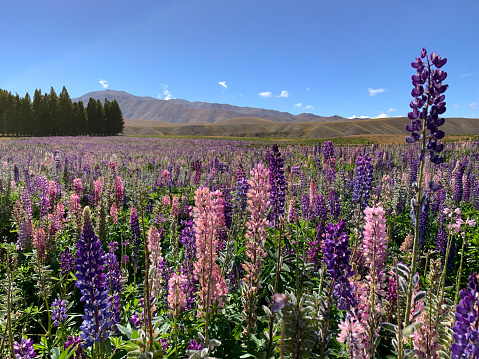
point(66, 125)
point(118, 123)
point(101, 118)
point(80, 120)
point(27, 116)
point(54, 113)
point(37, 110)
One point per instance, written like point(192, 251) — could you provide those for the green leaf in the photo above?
point(67, 353)
point(419, 296)
point(443, 354)
point(409, 354)
point(391, 327)
point(127, 331)
point(408, 332)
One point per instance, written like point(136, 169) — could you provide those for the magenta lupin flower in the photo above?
point(39, 244)
point(175, 206)
point(118, 192)
point(52, 194)
point(209, 218)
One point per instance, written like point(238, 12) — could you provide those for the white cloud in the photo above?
point(104, 83)
point(265, 94)
point(360, 117)
point(382, 115)
point(455, 105)
point(391, 110)
point(166, 93)
point(223, 83)
point(308, 89)
point(373, 92)
point(300, 105)
point(467, 74)
point(473, 105)
point(283, 94)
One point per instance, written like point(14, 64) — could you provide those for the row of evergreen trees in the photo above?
point(52, 115)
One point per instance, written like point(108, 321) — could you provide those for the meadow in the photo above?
point(157, 247)
point(212, 248)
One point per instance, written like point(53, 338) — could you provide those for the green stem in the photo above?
point(326, 320)
point(148, 325)
point(443, 278)
point(458, 280)
point(273, 314)
point(417, 209)
point(399, 337)
point(9, 303)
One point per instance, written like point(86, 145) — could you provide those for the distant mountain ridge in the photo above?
point(178, 111)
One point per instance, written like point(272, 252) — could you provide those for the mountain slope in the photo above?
point(181, 111)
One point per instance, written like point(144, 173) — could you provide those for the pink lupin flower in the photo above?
point(363, 325)
point(155, 256)
point(176, 293)
point(60, 212)
point(77, 186)
point(258, 204)
point(175, 206)
point(98, 188)
point(375, 238)
point(166, 200)
point(209, 218)
point(114, 213)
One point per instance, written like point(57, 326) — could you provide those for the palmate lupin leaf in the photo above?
point(300, 336)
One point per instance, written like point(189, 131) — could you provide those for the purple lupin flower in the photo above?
point(24, 350)
point(277, 182)
point(336, 256)
point(305, 206)
point(91, 282)
point(413, 170)
point(458, 185)
point(320, 210)
point(364, 180)
point(113, 279)
point(466, 329)
point(328, 151)
point(59, 314)
point(334, 204)
point(67, 262)
point(75, 342)
point(428, 103)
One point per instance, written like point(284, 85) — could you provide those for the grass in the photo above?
point(260, 141)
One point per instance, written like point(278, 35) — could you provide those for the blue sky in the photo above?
point(327, 57)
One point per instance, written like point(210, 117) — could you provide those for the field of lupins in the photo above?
point(149, 248)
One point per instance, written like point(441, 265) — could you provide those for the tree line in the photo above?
point(53, 115)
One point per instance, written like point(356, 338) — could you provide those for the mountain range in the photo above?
point(178, 111)
point(177, 117)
